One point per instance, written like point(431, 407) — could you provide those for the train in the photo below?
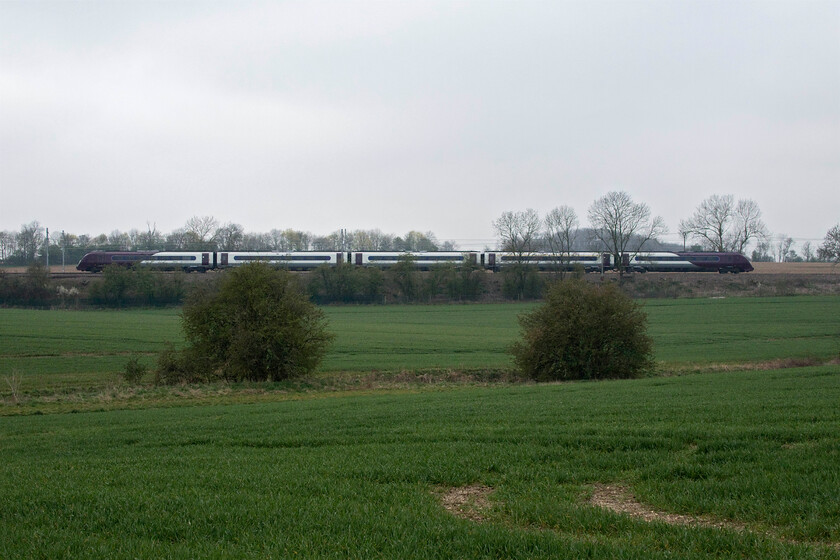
point(202, 261)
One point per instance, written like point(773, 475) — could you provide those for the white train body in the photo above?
point(490, 260)
point(299, 260)
point(421, 260)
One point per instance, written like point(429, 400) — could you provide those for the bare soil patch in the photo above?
point(795, 268)
point(620, 499)
point(467, 502)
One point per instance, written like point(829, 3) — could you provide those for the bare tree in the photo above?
point(8, 244)
point(149, 239)
point(257, 242)
point(561, 228)
point(230, 237)
point(416, 241)
point(200, 228)
point(331, 242)
point(761, 253)
point(298, 240)
point(177, 240)
point(721, 224)
point(748, 223)
point(119, 241)
point(622, 226)
point(29, 240)
point(377, 241)
point(830, 248)
point(808, 252)
point(518, 232)
point(784, 246)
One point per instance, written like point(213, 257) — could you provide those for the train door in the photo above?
point(491, 261)
point(224, 259)
point(205, 260)
point(606, 258)
point(339, 258)
point(359, 259)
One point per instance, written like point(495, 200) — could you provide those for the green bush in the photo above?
point(405, 279)
point(134, 371)
point(345, 283)
point(120, 286)
point(521, 281)
point(32, 289)
point(253, 324)
point(584, 331)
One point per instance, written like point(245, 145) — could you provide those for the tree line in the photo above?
point(203, 233)
point(617, 225)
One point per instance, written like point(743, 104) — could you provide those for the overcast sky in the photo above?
point(405, 115)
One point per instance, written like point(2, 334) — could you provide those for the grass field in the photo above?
point(361, 476)
point(66, 349)
point(751, 459)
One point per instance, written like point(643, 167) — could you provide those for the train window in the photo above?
point(283, 258)
point(424, 258)
point(170, 258)
point(458, 258)
point(549, 258)
point(653, 258)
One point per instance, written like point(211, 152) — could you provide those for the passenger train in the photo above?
point(190, 261)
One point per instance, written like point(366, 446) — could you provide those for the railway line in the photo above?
point(761, 268)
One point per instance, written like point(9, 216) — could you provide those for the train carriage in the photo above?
point(590, 261)
point(188, 261)
point(300, 260)
point(421, 260)
point(96, 261)
point(689, 262)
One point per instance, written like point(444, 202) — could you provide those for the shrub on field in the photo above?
point(134, 371)
point(253, 324)
point(584, 331)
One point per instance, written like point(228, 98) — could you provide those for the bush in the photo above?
point(584, 331)
point(405, 278)
point(521, 281)
point(253, 324)
point(346, 283)
point(134, 371)
point(30, 290)
point(121, 286)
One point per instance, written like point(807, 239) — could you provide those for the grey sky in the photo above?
point(414, 115)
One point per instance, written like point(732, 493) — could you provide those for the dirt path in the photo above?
point(470, 502)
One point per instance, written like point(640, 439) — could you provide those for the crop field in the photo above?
point(748, 459)
point(721, 455)
point(66, 349)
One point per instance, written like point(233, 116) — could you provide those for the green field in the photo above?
point(64, 349)
point(750, 457)
point(361, 476)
